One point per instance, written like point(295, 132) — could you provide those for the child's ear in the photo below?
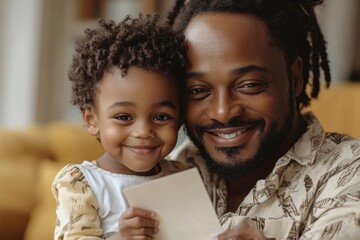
point(90, 122)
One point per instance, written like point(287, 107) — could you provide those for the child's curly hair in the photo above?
point(140, 42)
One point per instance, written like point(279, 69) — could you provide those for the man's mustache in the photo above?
point(233, 123)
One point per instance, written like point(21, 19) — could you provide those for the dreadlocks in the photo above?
point(292, 26)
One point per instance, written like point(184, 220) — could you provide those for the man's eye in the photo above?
point(197, 93)
point(124, 117)
point(197, 90)
point(251, 87)
point(162, 117)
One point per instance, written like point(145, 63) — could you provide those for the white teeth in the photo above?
point(229, 135)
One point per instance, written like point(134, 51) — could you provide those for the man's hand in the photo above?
point(137, 223)
point(242, 232)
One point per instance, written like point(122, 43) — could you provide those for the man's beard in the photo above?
point(266, 148)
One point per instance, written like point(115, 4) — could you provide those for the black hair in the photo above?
point(140, 42)
point(292, 27)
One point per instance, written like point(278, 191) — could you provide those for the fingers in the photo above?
point(137, 223)
point(146, 231)
point(138, 212)
point(244, 232)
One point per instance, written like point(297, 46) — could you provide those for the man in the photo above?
point(268, 165)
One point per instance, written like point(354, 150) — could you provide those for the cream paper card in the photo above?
point(182, 205)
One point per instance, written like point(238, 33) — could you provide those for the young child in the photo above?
point(127, 80)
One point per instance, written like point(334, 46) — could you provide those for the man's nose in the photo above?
point(224, 107)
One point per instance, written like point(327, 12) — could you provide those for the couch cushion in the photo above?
point(337, 108)
point(12, 225)
point(70, 142)
point(29, 141)
point(42, 219)
point(20, 153)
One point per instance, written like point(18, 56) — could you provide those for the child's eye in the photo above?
point(162, 117)
point(124, 117)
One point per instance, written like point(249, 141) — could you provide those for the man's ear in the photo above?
point(297, 75)
point(90, 122)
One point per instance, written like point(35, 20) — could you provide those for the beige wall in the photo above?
point(339, 22)
point(20, 28)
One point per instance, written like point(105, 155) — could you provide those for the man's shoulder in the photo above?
point(339, 156)
point(341, 146)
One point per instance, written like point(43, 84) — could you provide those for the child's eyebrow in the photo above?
point(166, 103)
point(122, 104)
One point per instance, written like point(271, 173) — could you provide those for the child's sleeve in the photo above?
point(76, 206)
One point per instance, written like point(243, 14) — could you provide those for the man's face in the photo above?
point(240, 107)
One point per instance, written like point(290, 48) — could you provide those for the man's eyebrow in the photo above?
point(246, 69)
point(236, 71)
point(194, 75)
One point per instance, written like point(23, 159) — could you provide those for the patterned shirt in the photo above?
point(313, 191)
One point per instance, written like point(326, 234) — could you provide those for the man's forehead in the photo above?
point(236, 25)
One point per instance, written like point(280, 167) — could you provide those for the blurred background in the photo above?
point(38, 36)
point(36, 46)
point(40, 131)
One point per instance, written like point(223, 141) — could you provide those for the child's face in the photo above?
point(136, 118)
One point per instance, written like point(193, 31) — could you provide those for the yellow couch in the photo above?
point(338, 108)
point(30, 158)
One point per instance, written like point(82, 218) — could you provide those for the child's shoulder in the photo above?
point(69, 173)
point(72, 170)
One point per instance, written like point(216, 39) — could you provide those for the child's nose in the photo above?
point(143, 129)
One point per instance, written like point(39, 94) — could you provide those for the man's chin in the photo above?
point(227, 161)
point(232, 167)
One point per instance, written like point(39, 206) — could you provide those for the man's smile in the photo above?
point(229, 133)
point(230, 137)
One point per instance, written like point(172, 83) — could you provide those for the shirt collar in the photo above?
point(307, 146)
point(303, 152)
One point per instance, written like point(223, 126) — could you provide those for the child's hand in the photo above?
point(137, 223)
